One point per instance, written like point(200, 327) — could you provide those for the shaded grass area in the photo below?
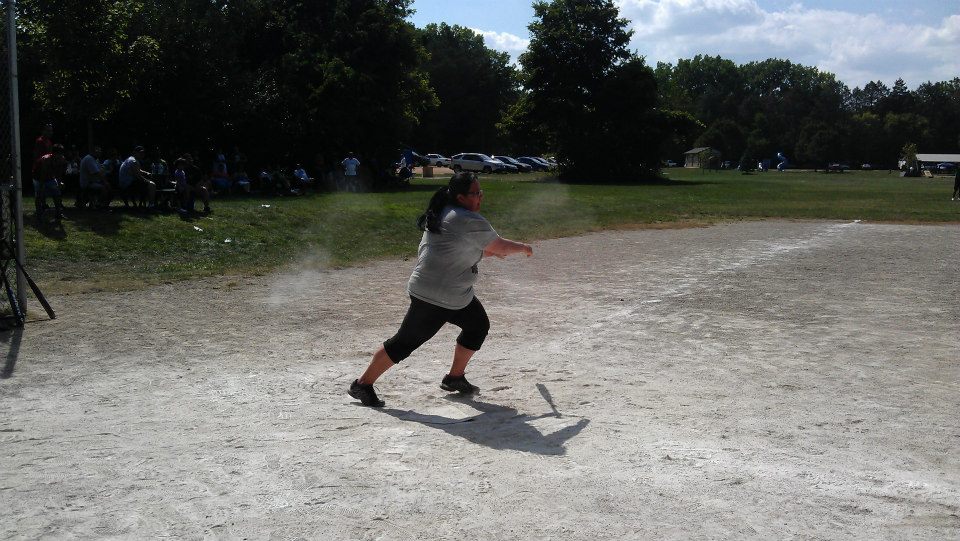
point(128, 249)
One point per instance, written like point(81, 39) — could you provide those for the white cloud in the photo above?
point(503, 41)
point(857, 48)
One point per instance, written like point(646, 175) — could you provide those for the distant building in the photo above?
point(692, 156)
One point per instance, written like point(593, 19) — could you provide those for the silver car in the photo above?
point(474, 161)
point(438, 160)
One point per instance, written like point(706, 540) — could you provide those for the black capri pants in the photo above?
point(423, 320)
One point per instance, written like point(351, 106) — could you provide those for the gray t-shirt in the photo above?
point(126, 171)
point(88, 169)
point(447, 262)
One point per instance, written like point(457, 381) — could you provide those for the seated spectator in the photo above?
point(301, 178)
point(111, 169)
point(265, 181)
point(219, 178)
point(159, 170)
point(135, 183)
point(50, 168)
point(406, 171)
point(162, 176)
point(94, 188)
point(242, 181)
point(281, 182)
point(190, 184)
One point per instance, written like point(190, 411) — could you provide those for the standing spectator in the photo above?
point(956, 185)
point(50, 169)
point(71, 178)
point(135, 183)
point(325, 171)
point(238, 160)
point(351, 168)
point(92, 181)
point(42, 146)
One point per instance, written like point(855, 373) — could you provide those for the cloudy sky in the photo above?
point(858, 40)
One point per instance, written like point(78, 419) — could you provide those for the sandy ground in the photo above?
point(756, 380)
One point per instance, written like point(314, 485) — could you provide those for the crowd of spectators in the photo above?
point(155, 180)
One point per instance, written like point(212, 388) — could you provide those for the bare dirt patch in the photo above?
point(748, 380)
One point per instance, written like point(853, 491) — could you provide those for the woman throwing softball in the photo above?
point(455, 239)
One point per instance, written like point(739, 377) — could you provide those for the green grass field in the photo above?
point(126, 249)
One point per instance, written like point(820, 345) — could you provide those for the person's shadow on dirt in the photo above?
point(52, 229)
point(497, 427)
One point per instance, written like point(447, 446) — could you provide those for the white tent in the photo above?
point(938, 158)
point(934, 159)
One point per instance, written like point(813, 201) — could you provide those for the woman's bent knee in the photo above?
point(472, 339)
point(396, 350)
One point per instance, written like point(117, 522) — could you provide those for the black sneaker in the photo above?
point(458, 384)
point(365, 394)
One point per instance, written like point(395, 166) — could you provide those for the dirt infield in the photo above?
point(755, 380)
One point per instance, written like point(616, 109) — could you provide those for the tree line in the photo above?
point(761, 108)
point(287, 80)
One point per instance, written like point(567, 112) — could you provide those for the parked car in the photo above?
point(838, 167)
point(946, 167)
point(507, 167)
point(866, 166)
point(471, 161)
point(670, 163)
point(543, 161)
point(521, 167)
point(535, 164)
point(438, 160)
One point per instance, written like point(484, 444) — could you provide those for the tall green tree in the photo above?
point(787, 94)
point(474, 85)
point(343, 76)
point(819, 144)
point(939, 104)
point(710, 88)
point(724, 135)
point(867, 140)
point(91, 54)
point(867, 98)
point(588, 97)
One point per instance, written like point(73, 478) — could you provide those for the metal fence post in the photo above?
point(16, 170)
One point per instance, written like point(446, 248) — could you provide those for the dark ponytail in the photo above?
point(430, 219)
point(459, 185)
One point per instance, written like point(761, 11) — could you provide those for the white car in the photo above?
point(473, 161)
point(438, 160)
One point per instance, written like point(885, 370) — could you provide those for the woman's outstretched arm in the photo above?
point(501, 247)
